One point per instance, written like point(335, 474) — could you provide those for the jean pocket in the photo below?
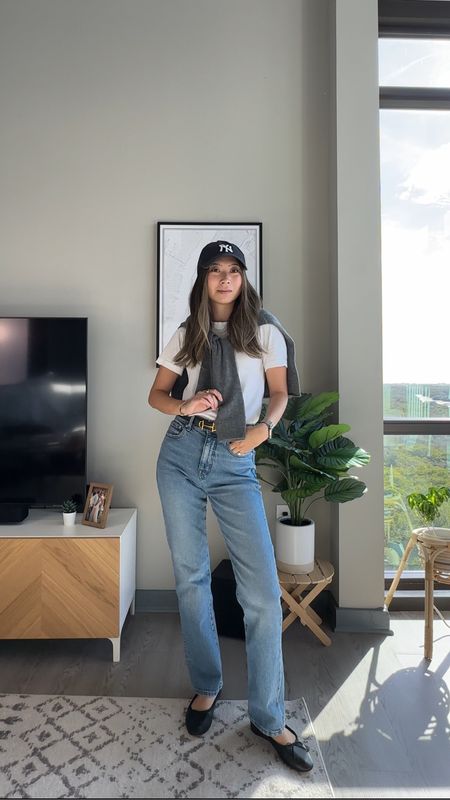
point(175, 429)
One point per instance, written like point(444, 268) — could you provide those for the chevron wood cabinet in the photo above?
point(63, 583)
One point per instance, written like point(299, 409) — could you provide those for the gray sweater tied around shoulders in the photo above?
point(219, 371)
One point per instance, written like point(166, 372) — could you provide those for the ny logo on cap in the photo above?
point(226, 247)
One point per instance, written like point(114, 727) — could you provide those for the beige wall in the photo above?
point(118, 114)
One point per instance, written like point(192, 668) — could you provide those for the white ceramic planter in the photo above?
point(294, 546)
point(436, 535)
point(69, 519)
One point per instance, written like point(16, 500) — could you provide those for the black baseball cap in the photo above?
point(213, 250)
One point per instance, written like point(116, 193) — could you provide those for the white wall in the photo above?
point(118, 114)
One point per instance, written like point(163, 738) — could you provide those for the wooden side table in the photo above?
point(404, 560)
point(436, 555)
point(299, 590)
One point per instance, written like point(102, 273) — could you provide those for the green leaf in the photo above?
point(427, 505)
point(291, 496)
point(343, 457)
point(342, 491)
point(265, 453)
point(286, 443)
point(315, 405)
point(294, 406)
point(438, 496)
point(313, 482)
point(280, 430)
point(326, 434)
point(281, 486)
point(299, 465)
point(300, 431)
point(266, 450)
point(337, 472)
point(275, 465)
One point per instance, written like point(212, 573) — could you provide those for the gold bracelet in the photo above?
point(179, 410)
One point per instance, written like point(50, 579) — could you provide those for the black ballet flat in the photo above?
point(295, 755)
point(198, 722)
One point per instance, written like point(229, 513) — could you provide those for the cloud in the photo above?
point(428, 181)
point(416, 288)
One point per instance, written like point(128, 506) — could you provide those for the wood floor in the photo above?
point(381, 713)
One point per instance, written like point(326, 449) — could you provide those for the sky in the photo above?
point(415, 205)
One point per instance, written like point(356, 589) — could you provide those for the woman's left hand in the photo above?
point(256, 434)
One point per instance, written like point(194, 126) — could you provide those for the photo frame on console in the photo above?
point(97, 504)
point(179, 246)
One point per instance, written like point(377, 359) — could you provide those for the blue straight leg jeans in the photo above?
point(192, 467)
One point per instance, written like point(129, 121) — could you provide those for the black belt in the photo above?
point(205, 424)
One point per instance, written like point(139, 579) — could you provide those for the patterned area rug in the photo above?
point(73, 746)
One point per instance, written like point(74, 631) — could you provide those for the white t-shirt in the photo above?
point(250, 369)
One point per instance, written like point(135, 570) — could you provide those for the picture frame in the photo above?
point(97, 504)
point(179, 246)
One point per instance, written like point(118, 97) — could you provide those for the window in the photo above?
point(414, 62)
point(414, 76)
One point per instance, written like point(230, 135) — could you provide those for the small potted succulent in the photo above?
point(69, 509)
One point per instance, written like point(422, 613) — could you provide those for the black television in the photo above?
point(43, 412)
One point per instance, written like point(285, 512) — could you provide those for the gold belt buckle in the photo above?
point(204, 424)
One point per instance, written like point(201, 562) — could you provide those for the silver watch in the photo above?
point(269, 424)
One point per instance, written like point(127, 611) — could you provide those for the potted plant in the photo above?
point(427, 507)
point(69, 509)
point(312, 459)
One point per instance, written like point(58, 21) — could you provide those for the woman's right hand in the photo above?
point(201, 401)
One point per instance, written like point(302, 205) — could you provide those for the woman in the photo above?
point(212, 375)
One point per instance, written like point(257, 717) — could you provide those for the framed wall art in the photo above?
point(179, 246)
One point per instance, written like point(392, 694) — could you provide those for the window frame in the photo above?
point(424, 19)
point(418, 19)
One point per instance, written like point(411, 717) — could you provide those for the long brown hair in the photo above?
point(242, 327)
